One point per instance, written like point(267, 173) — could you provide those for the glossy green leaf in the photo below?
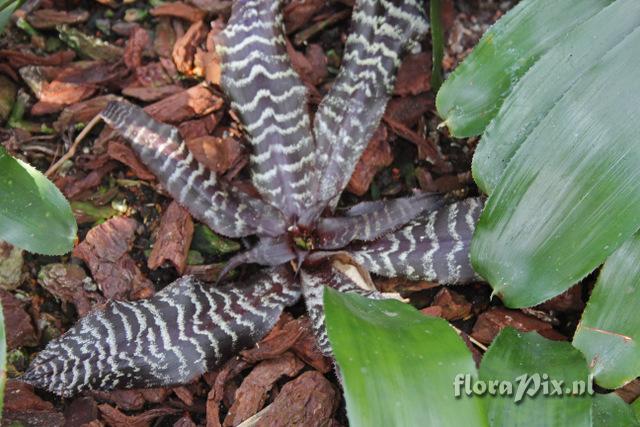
point(398, 366)
point(545, 83)
point(610, 410)
point(526, 360)
point(635, 406)
point(609, 330)
point(472, 95)
point(34, 215)
point(570, 195)
point(6, 9)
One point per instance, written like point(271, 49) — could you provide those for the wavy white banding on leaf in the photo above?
point(171, 338)
point(223, 208)
point(434, 247)
point(254, 74)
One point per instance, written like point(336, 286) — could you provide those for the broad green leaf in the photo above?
point(545, 83)
point(3, 360)
point(570, 195)
point(609, 330)
point(472, 95)
point(526, 360)
point(635, 405)
point(610, 410)
point(34, 215)
point(398, 366)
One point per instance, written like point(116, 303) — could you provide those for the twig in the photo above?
point(472, 339)
point(74, 146)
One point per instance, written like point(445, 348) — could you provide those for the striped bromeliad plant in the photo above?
point(300, 169)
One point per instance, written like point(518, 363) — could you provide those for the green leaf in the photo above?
point(473, 93)
point(3, 360)
point(609, 330)
point(208, 242)
point(635, 405)
point(611, 410)
point(34, 215)
point(6, 9)
point(545, 83)
point(514, 355)
point(569, 196)
point(437, 43)
point(398, 366)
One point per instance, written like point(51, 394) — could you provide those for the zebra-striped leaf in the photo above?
point(349, 115)
point(433, 247)
point(227, 211)
point(171, 338)
point(271, 100)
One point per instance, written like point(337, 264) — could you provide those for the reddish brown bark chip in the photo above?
point(82, 112)
point(232, 368)
point(279, 340)
point(298, 13)
point(80, 184)
point(121, 152)
point(197, 128)
point(492, 321)
point(150, 94)
point(569, 300)
point(252, 394)
point(127, 400)
point(173, 238)
point(105, 250)
point(185, 47)
point(414, 75)
point(82, 411)
point(114, 418)
point(153, 75)
point(136, 44)
point(193, 102)
point(179, 10)
point(155, 395)
point(185, 421)
point(48, 18)
point(19, 59)
point(309, 400)
point(307, 349)
point(376, 157)
point(407, 110)
point(184, 394)
point(19, 396)
point(66, 282)
point(217, 154)
point(18, 325)
point(454, 306)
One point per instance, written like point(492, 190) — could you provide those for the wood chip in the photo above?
point(173, 239)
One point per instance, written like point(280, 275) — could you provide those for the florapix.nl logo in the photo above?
point(526, 385)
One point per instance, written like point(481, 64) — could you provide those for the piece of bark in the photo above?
point(114, 418)
point(217, 154)
point(630, 391)
point(173, 239)
point(105, 250)
point(306, 348)
point(79, 185)
point(311, 67)
point(18, 325)
point(136, 44)
point(165, 38)
point(402, 284)
point(185, 421)
point(184, 394)
point(230, 369)
point(19, 396)
point(569, 300)
point(252, 393)
point(155, 395)
point(127, 400)
point(82, 112)
point(196, 101)
point(179, 10)
point(66, 282)
point(82, 411)
point(454, 306)
point(121, 152)
point(19, 59)
point(309, 400)
point(376, 157)
point(192, 129)
point(45, 19)
point(407, 110)
point(216, 7)
point(278, 341)
point(414, 75)
point(153, 75)
point(185, 47)
point(150, 94)
point(492, 321)
point(298, 13)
